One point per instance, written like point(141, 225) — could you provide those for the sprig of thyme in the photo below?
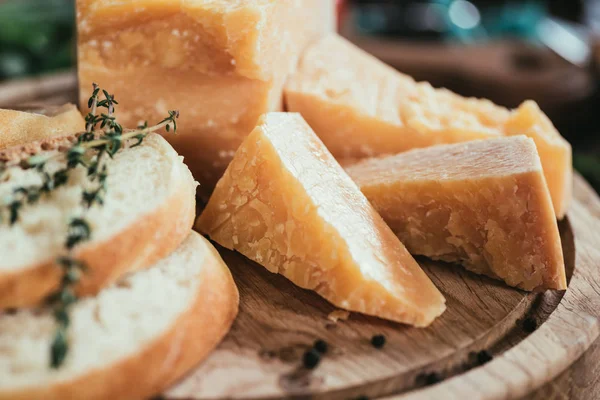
point(92, 150)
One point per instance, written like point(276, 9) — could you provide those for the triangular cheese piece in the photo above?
point(361, 107)
point(555, 152)
point(484, 204)
point(285, 203)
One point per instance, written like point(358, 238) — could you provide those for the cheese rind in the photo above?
point(361, 107)
point(285, 203)
point(484, 204)
point(221, 63)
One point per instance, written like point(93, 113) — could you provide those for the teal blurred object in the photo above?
point(453, 20)
point(36, 36)
point(515, 19)
point(512, 19)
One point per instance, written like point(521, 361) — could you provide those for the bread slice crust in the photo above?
point(38, 121)
point(167, 358)
point(149, 238)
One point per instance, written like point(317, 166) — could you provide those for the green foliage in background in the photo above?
point(36, 36)
point(588, 165)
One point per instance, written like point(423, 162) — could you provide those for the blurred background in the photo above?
point(504, 50)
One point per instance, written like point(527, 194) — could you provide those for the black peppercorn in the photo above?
point(483, 357)
point(427, 379)
point(311, 359)
point(320, 346)
point(529, 325)
point(432, 378)
point(378, 341)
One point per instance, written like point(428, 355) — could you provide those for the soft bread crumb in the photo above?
point(117, 323)
point(139, 181)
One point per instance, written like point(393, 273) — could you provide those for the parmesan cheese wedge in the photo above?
point(483, 204)
point(361, 107)
point(285, 203)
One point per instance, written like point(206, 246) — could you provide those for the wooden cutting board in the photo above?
point(261, 358)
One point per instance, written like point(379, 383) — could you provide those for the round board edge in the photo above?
point(560, 341)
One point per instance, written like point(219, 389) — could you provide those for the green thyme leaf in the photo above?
point(37, 160)
point(71, 276)
point(62, 317)
point(59, 348)
point(140, 138)
point(15, 206)
point(67, 297)
point(114, 144)
point(33, 195)
point(79, 231)
point(75, 156)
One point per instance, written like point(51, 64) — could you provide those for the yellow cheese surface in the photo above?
point(18, 127)
point(484, 204)
point(361, 107)
point(221, 63)
point(285, 203)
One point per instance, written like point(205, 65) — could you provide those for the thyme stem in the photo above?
point(126, 136)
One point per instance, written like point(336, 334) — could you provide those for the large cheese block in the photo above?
point(20, 127)
point(285, 203)
point(484, 204)
point(221, 63)
point(361, 107)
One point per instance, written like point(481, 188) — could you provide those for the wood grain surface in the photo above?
point(581, 381)
point(52, 89)
point(261, 357)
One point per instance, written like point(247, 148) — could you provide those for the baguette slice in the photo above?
point(34, 122)
point(131, 341)
point(148, 211)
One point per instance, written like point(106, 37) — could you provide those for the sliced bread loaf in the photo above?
point(36, 122)
point(148, 211)
point(131, 341)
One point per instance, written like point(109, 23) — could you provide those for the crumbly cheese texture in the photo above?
point(221, 63)
point(285, 203)
point(139, 181)
point(18, 127)
point(361, 107)
point(483, 204)
point(119, 322)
